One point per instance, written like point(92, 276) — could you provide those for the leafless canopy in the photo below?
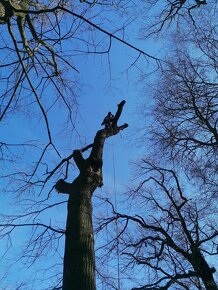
point(173, 237)
point(186, 105)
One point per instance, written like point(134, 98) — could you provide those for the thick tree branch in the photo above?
point(104, 31)
point(79, 160)
point(63, 186)
point(118, 113)
point(101, 135)
point(172, 280)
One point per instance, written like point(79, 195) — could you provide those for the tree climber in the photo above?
point(108, 120)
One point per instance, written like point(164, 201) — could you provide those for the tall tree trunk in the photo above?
point(204, 271)
point(79, 256)
point(79, 261)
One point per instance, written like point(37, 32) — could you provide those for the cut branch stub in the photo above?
point(118, 113)
point(63, 186)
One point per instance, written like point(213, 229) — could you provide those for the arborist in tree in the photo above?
point(108, 120)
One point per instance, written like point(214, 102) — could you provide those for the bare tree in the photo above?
point(175, 236)
point(79, 257)
point(185, 110)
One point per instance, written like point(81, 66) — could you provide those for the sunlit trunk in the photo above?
point(79, 261)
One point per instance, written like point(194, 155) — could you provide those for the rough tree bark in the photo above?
point(79, 256)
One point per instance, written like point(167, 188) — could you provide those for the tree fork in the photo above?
point(79, 256)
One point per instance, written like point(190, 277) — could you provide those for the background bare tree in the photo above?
point(168, 237)
point(185, 106)
point(175, 237)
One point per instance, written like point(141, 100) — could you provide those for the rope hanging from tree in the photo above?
point(116, 223)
